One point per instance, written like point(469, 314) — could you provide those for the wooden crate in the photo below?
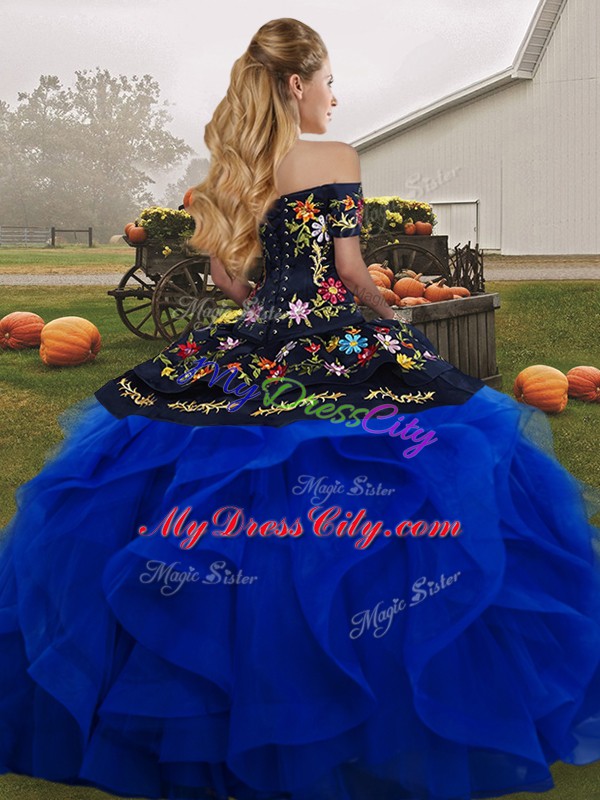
point(462, 331)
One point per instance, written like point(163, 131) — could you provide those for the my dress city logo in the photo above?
point(380, 619)
point(276, 386)
point(174, 579)
point(242, 390)
point(231, 522)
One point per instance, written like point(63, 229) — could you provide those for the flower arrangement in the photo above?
point(387, 215)
point(167, 226)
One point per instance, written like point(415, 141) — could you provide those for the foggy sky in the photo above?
point(388, 57)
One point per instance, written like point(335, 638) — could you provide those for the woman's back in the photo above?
point(315, 163)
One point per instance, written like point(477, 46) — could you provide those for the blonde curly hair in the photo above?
point(252, 129)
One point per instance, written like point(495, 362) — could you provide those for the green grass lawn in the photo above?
point(66, 260)
point(538, 323)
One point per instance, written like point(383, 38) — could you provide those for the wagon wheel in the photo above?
point(134, 303)
point(183, 299)
point(410, 256)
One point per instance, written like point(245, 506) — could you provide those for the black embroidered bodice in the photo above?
point(299, 322)
point(300, 290)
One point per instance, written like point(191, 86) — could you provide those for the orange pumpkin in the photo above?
point(423, 228)
point(380, 278)
point(388, 296)
point(409, 287)
point(584, 383)
point(383, 267)
point(543, 387)
point(460, 290)
point(413, 301)
point(137, 234)
point(69, 341)
point(409, 229)
point(128, 227)
point(187, 197)
point(20, 329)
point(437, 291)
point(378, 271)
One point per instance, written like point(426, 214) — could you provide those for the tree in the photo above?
point(195, 172)
point(80, 156)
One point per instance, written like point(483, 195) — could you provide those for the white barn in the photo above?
point(510, 162)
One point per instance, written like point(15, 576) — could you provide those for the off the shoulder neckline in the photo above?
point(320, 186)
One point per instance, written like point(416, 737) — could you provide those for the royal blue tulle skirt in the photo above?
point(256, 612)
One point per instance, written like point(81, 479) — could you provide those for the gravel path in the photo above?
point(496, 268)
point(491, 274)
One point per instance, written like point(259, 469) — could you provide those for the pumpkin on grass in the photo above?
point(543, 387)
point(20, 329)
point(69, 341)
point(584, 383)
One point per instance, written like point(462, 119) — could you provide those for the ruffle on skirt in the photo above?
point(339, 672)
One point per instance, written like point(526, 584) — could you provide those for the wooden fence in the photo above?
point(15, 236)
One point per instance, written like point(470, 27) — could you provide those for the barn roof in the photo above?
point(524, 67)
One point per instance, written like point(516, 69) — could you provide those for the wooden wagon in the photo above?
point(165, 296)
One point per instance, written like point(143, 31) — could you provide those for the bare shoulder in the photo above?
point(316, 163)
point(342, 161)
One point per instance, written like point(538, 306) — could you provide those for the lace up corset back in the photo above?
point(300, 291)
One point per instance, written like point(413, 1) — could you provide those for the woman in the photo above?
point(260, 588)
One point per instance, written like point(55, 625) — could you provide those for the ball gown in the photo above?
point(236, 588)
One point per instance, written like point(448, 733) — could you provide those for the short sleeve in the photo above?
point(345, 213)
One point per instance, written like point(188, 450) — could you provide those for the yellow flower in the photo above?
point(167, 371)
point(404, 361)
point(166, 251)
point(228, 316)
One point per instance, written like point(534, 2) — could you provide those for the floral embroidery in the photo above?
point(319, 229)
point(187, 349)
point(127, 390)
point(348, 222)
point(419, 397)
point(278, 371)
point(298, 311)
point(388, 342)
point(337, 369)
point(333, 290)
point(353, 343)
point(367, 354)
point(285, 350)
point(304, 230)
point(404, 361)
point(305, 210)
point(229, 343)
